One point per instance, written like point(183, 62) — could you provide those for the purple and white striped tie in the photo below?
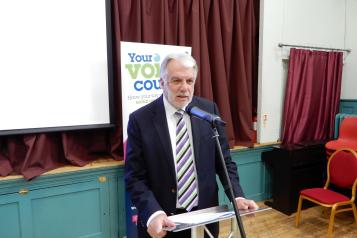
point(185, 170)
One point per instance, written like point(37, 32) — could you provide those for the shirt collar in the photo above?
point(169, 108)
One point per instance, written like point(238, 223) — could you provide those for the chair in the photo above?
point(341, 171)
point(347, 136)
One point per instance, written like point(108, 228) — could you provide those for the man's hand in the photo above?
point(244, 204)
point(155, 228)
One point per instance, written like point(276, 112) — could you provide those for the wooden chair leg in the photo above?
point(298, 213)
point(354, 212)
point(330, 224)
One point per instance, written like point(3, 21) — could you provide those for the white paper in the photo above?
point(201, 218)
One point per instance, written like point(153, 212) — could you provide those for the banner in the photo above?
point(140, 85)
point(140, 74)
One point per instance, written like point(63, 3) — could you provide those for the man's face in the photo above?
point(178, 86)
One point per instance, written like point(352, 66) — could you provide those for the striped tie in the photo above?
point(186, 179)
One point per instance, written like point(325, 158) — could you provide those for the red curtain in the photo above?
point(223, 36)
point(312, 95)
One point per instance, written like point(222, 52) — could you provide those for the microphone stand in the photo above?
point(232, 198)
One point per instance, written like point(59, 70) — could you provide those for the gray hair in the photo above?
point(185, 59)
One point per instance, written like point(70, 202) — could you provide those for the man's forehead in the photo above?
point(181, 77)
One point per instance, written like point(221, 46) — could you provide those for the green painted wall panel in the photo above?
point(75, 213)
point(73, 205)
point(254, 176)
point(252, 180)
point(9, 219)
point(121, 204)
point(348, 106)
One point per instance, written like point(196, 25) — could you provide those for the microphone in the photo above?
point(203, 115)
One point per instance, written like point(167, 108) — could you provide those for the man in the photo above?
point(155, 150)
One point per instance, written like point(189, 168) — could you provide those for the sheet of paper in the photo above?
point(201, 218)
point(197, 218)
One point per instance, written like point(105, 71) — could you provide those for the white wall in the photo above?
point(349, 77)
point(323, 23)
point(271, 83)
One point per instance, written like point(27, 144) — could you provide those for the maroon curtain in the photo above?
point(223, 36)
point(312, 95)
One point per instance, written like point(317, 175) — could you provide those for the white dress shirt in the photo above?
point(171, 119)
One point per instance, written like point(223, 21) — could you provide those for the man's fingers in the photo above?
point(156, 226)
point(245, 204)
point(162, 233)
point(169, 223)
point(157, 233)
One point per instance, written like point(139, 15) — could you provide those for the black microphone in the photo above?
point(203, 115)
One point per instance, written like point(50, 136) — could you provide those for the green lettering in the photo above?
point(157, 66)
point(133, 71)
point(147, 70)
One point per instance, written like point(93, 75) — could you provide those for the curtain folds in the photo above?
point(312, 95)
point(223, 36)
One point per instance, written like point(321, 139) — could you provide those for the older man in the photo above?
point(172, 160)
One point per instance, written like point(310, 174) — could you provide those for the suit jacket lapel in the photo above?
point(160, 124)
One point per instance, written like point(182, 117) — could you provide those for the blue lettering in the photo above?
point(138, 85)
point(140, 58)
point(131, 55)
point(147, 85)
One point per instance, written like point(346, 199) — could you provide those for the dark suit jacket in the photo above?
point(150, 170)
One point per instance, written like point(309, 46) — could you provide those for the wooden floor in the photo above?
point(272, 223)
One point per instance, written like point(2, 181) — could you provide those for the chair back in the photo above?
point(348, 129)
point(342, 168)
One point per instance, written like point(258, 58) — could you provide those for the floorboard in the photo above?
point(272, 224)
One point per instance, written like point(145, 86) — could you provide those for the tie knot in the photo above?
point(179, 113)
